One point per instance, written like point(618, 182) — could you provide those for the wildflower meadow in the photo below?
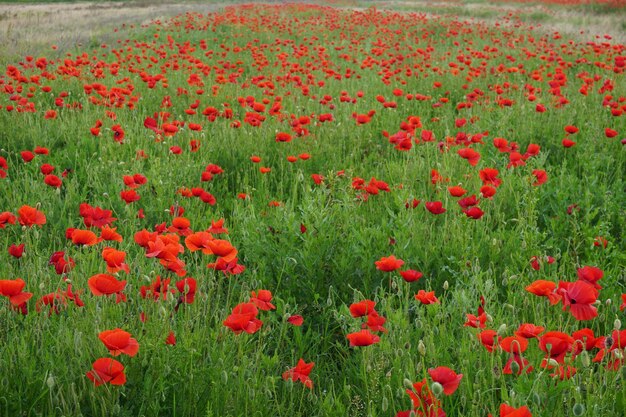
point(324, 209)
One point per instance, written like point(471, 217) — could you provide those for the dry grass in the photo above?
point(32, 29)
point(571, 22)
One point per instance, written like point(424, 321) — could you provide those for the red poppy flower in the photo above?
point(543, 288)
point(388, 264)
point(61, 265)
point(362, 338)
point(187, 289)
point(243, 318)
point(435, 207)
point(118, 341)
point(12, 289)
point(296, 320)
point(489, 176)
point(568, 143)
point(222, 248)
point(115, 260)
point(579, 297)
point(53, 181)
point(590, 274)
point(217, 227)
point(109, 234)
point(95, 216)
point(362, 308)
point(158, 289)
point(180, 225)
point(27, 156)
point(170, 339)
point(448, 379)
point(103, 284)
point(16, 251)
point(262, 300)
point(474, 213)
point(470, 154)
point(30, 216)
point(560, 344)
point(107, 370)
point(6, 218)
point(489, 339)
point(411, 275)
point(300, 373)
point(508, 411)
point(424, 401)
point(375, 322)
point(426, 297)
point(529, 331)
point(84, 237)
point(541, 177)
point(129, 196)
point(585, 340)
point(457, 191)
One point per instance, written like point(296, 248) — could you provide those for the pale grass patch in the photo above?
point(32, 29)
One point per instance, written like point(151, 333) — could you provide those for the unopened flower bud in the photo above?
point(617, 324)
point(515, 368)
point(421, 348)
point(553, 362)
point(578, 409)
point(502, 329)
point(584, 358)
point(437, 389)
point(407, 383)
point(445, 285)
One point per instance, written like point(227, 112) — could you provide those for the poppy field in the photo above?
point(306, 210)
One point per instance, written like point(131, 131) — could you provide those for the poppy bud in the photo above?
point(584, 358)
point(578, 409)
point(437, 389)
point(385, 404)
point(445, 285)
point(407, 383)
point(224, 377)
point(502, 328)
point(553, 362)
point(617, 324)
point(421, 348)
point(515, 368)
point(608, 302)
point(50, 381)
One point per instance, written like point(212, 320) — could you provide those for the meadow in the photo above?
point(310, 210)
